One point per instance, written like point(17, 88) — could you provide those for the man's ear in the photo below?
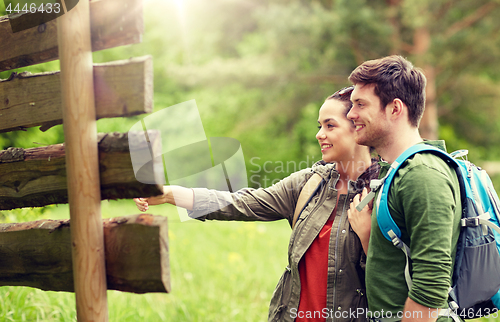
point(396, 109)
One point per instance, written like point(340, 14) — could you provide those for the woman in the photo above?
point(324, 280)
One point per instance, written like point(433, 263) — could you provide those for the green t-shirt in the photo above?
point(424, 201)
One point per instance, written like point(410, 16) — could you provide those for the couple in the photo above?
point(325, 277)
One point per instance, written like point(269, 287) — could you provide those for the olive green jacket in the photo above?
point(346, 299)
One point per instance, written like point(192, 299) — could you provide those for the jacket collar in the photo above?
point(364, 179)
point(436, 143)
point(440, 144)
point(325, 170)
point(329, 170)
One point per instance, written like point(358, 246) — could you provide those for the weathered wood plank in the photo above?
point(38, 254)
point(36, 177)
point(113, 23)
point(121, 88)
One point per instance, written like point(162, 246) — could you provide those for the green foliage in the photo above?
point(32, 137)
point(260, 70)
point(26, 304)
point(25, 214)
point(262, 79)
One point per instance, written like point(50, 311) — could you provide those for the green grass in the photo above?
point(220, 271)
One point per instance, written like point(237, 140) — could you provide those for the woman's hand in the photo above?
point(183, 198)
point(144, 203)
point(361, 220)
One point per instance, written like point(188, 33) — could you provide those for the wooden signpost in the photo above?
point(139, 264)
point(85, 169)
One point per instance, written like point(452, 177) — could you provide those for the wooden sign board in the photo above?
point(112, 23)
point(36, 177)
point(38, 254)
point(121, 88)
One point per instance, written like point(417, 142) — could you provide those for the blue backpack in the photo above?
point(476, 277)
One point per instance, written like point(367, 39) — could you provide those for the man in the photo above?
point(424, 198)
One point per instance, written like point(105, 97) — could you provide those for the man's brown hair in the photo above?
point(394, 77)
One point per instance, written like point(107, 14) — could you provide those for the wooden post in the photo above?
point(80, 131)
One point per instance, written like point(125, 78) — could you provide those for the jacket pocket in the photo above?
point(362, 305)
point(281, 296)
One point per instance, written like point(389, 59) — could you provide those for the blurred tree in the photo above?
point(260, 69)
point(456, 44)
point(291, 54)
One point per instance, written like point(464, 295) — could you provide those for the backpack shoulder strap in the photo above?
point(385, 222)
point(305, 195)
point(387, 225)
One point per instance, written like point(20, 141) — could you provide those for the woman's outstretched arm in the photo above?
point(175, 195)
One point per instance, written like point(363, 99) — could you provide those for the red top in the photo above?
point(313, 271)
